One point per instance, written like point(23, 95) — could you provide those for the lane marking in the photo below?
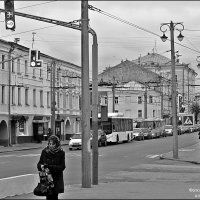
point(12, 177)
point(186, 149)
point(152, 156)
point(28, 155)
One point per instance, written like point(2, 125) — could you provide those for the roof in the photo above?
point(152, 58)
point(128, 71)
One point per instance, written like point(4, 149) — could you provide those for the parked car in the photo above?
point(75, 141)
point(138, 134)
point(168, 130)
point(102, 139)
point(147, 133)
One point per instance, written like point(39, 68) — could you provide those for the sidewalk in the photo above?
point(27, 146)
point(166, 178)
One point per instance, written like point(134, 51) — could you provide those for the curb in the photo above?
point(178, 159)
point(25, 148)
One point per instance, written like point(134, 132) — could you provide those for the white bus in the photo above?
point(117, 128)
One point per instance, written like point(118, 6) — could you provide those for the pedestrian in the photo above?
point(53, 158)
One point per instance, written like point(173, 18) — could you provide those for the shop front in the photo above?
point(40, 127)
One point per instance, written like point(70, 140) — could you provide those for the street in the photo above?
point(112, 158)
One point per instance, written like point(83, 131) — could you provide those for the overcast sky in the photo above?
point(116, 40)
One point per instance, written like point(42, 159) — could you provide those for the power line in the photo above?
point(134, 25)
point(36, 4)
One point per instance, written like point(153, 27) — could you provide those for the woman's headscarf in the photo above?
point(55, 141)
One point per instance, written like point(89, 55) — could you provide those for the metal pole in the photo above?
point(113, 91)
point(174, 109)
point(53, 66)
point(145, 103)
point(9, 98)
point(85, 114)
point(95, 111)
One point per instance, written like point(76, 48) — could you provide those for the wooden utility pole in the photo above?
point(85, 112)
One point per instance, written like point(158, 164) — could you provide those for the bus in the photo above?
point(117, 128)
point(156, 125)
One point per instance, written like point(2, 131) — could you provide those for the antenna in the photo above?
point(33, 39)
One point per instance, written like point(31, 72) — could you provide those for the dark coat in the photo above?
point(56, 164)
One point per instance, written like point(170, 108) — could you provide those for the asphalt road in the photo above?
point(111, 158)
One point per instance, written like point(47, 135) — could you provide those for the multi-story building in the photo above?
point(184, 73)
point(148, 93)
point(134, 91)
point(27, 93)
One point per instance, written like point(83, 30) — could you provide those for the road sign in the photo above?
point(188, 120)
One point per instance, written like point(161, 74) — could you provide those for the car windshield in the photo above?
point(76, 136)
point(136, 130)
point(168, 126)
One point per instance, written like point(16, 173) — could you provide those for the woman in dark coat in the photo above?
point(53, 158)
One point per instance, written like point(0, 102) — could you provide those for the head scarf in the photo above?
point(55, 141)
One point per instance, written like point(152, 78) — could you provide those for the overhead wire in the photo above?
point(134, 25)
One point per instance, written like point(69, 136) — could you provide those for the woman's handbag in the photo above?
point(44, 187)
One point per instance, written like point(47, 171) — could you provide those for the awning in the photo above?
point(19, 117)
point(40, 119)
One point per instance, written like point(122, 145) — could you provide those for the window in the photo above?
point(139, 113)
point(34, 72)
point(106, 100)
point(139, 100)
point(48, 71)
point(26, 67)
point(34, 98)
point(13, 95)
point(3, 63)
point(3, 94)
point(26, 97)
point(116, 100)
point(40, 73)
point(21, 128)
point(19, 97)
point(67, 100)
point(13, 65)
point(48, 99)
point(73, 101)
point(61, 101)
point(41, 99)
point(154, 112)
point(150, 99)
point(18, 66)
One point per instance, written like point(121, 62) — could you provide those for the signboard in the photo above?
point(188, 120)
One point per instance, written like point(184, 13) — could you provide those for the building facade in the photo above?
point(134, 91)
point(27, 93)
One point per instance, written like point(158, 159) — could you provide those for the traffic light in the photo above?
point(181, 107)
point(9, 14)
point(34, 58)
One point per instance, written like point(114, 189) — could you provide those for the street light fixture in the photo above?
point(171, 27)
point(197, 59)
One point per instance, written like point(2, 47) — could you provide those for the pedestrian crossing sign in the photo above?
point(188, 120)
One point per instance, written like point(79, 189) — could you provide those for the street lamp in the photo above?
point(198, 61)
point(171, 27)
